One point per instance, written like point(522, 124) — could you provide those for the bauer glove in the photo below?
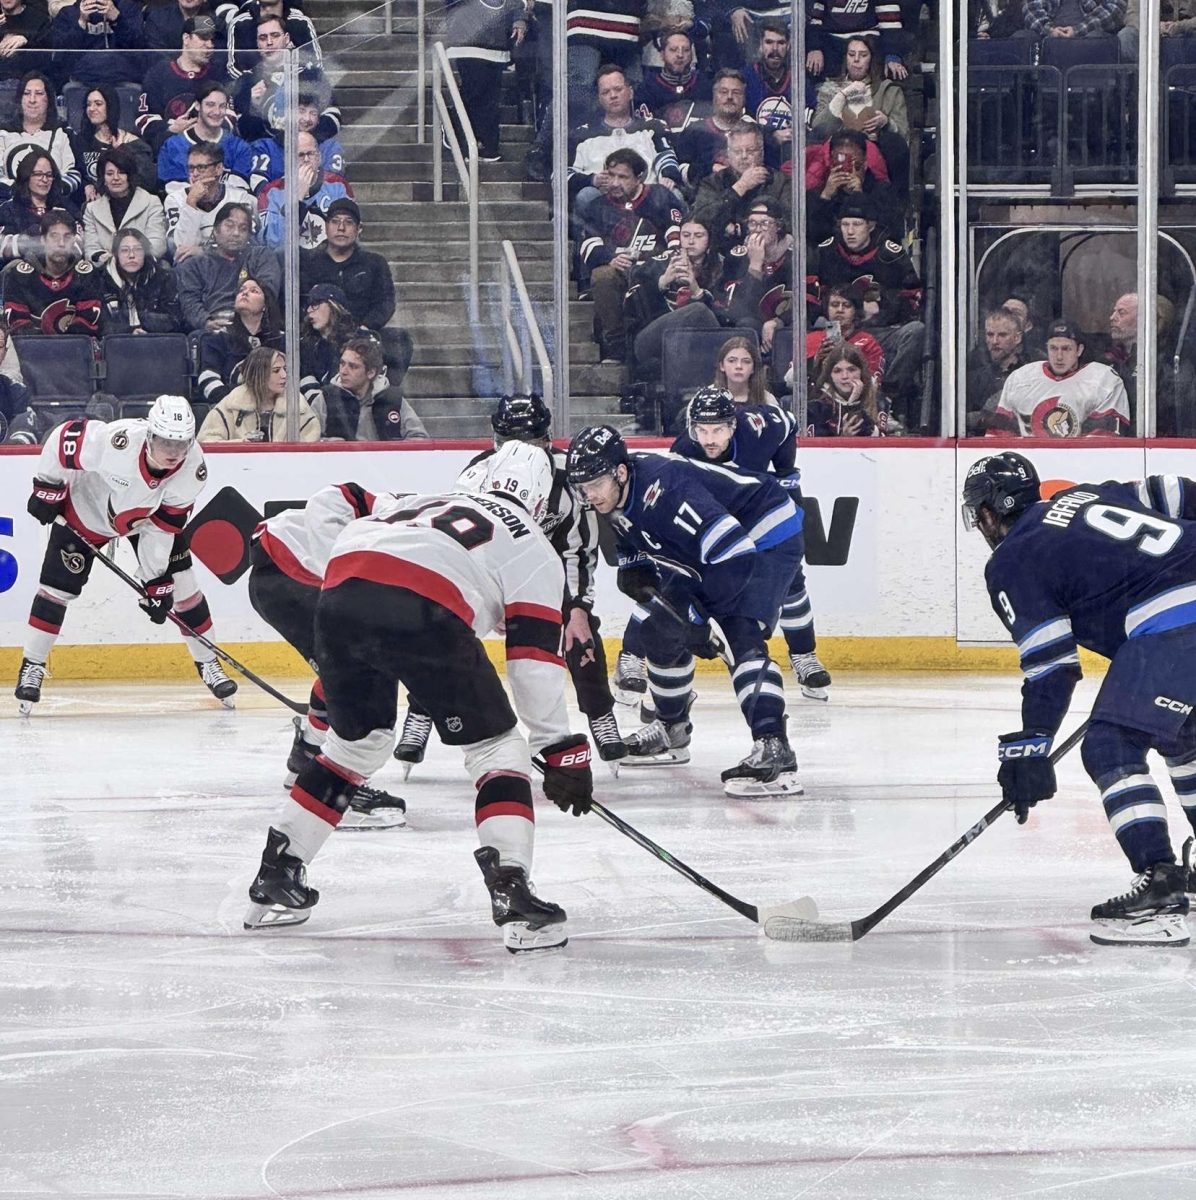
point(47, 501)
point(1026, 774)
point(568, 781)
point(158, 599)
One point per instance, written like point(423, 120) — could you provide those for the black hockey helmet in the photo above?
point(522, 416)
point(596, 451)
point(711, 405)
point(1006, 482)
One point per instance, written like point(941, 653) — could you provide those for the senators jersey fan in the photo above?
point(1035, 402)
point(112, 491)
point(485, 560)
point(35, 302)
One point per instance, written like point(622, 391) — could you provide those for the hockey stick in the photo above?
point(223, 655)
point(785, 929)
point(658, 602)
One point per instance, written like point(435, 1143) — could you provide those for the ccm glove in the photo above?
point(159, 598)
point(568, 780)
point(47, 501)
point(1026, 774)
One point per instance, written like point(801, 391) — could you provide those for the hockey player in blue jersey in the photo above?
point(760, 437)
point(715, 543)
point(1110, 567)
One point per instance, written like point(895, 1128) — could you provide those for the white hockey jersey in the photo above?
point(484, 559)
point(112, 492)
point(1038, 403)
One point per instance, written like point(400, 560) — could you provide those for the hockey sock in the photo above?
point(1182, 770)
point(670, 687)
point(195, 614)
point(797, 623)
point(318, 801)
point(505, 817)
point(634, 641)
point(315, 728)
point(45, 622)
point(761, 695)
point(1137, 817)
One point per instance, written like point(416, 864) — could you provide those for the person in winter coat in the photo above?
point(327, 326)
point(257, 321)
point(90, 37)
point(362, 405)
point(121, 204)
point(139, 294)
point(256, 411)
point(36, 190)
point(846, 403)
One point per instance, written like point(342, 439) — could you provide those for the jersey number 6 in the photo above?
point(1154, 535)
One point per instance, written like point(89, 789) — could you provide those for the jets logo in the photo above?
point(756, 421)
point(120, 441)
point(653, 493)
point(73, 561)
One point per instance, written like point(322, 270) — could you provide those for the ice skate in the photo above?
point(814, 678)
point(1151, 913)
point(372, 808)
point(29, 685)
point(279, 895)
point(527, 922)
point(770, 770)
point(217, 682)
point(659, 745)
point(302, 752)
point(630, 684)
point(1189, 870)
point(611, 746)
point(413, 741)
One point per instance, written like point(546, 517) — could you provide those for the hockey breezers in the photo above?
point(223, 655)
point(783, 928)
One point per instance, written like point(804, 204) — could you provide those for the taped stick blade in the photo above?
point(784, 928)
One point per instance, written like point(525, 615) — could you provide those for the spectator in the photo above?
point(317, 191)
point(1060, 398)
point(242, 26)
point(208, 282)
point(191, 213)
point(140, 292)
point(989, 366)
point(211, 125)
point(38, 126)
point(270, 150)
point(632, 220)
point(15, 400)
point(619, 128)
point(256, 410)
point(95, 42)
point(1032, 342)
point(34, 194)
point(834, 22)
point(863, 100)
point(849, 180)
point(99, 131)
point(1072, 19)
point(166, 22)
point(738, 370)
point(363, 276)
point(842, 305)
point(725, 198)
point(53, 291)
point(673, 91)
point(362, 404)
point(170, 99)
point(606, 31)
point(1127, 35)
point(994, 18)
point(256, 321)
point(768, 99)
point(121, 203)
point(327, 326)
point(845, 403)
point(702, 146)
point(479, 35)
point(759, 272)
point(24, 27)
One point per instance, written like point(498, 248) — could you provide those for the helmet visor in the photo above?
point(167, 452)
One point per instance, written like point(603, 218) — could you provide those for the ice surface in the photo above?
point(975, 1044)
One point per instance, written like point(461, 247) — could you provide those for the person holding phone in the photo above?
point(846, 403)
point(842, 306)
point(854, 175)
point(89, 36)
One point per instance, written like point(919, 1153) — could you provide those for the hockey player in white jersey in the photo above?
point(288, 558)
point(101, 480)
point(406, 599)
point(1060, 398)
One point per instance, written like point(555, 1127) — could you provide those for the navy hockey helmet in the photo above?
point(596, 451)
point(1007, 483)
point(711, 405)
point(525, 417)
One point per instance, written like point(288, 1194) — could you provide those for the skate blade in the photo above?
point(227, 701)
point(786, 784)
point(627, 697)
point(273, 916)
point(813, 693)
point(371, 822)
point(1169, 929)
point(613, 766)
point(520, 938)
point(671, 758)
point(25, 707)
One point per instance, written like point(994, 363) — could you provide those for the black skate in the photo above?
point(611, 747)
point(279, 895)
point(630, 684)
point(217, 682)
point(527, 922)
point(29, 685)
point(372, 808)
point(1190, 871)
point(1151, 913)
point(413, 741)
point(770, 770)
point(302, 752)
point(813, 677)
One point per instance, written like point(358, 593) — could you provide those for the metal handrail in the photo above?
point(421, 70)
point(516, 359)
point(467, 165)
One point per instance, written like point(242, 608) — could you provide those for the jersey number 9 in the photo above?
point(1155, 536)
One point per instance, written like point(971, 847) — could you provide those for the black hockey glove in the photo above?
point(47, 501)
point(638, 578)
point(701, 642)
point(1027, 774)
point(568, 780)
point(158, 599)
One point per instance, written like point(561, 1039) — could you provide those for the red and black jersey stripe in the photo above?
point(357, 498)
point(534, 631)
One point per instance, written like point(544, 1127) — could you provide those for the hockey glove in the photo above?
point(639, 580)
point(701, 643)
point(159, 598)
point(47, 501)
point(1026, 774)
point(568, 781)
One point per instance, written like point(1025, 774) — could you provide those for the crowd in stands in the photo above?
point(142, 191)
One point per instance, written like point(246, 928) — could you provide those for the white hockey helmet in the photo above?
point(170, 430)
point(517, 471)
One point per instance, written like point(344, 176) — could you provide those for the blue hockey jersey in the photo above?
point(1093, 566)
point(765, 440)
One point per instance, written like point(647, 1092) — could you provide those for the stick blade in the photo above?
point(781, 927)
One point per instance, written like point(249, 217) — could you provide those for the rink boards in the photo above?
point(895, 581)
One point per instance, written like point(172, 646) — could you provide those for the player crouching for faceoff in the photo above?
point(101, 480)
point(406, 599)
point(1110, 567)
point(727, 543)
point(287, 563)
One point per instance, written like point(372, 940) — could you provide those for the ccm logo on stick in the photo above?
point(1176, 706)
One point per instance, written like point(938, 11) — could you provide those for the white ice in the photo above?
point(975, 1044)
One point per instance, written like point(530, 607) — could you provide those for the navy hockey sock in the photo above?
point(1182, 769)
point(761, 696)
point(670, 687)
point(797, 623)
point(1137, 817)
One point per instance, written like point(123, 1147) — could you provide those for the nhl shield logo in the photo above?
point(73, 561)
point(453, 724)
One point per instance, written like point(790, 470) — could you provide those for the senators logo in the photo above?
point(201, 472)
point(120, 441)
point(73, 561)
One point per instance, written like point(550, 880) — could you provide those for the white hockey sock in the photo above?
point(307, 831)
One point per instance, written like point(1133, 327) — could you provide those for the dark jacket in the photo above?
point(91, 58)
point(148, 300)
point(394, 418)
point(220, 358)
point(364, 277)
point(717, 205)
point(33, 24)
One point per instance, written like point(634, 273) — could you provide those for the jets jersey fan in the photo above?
point(1035, 402)
point(641, 228)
